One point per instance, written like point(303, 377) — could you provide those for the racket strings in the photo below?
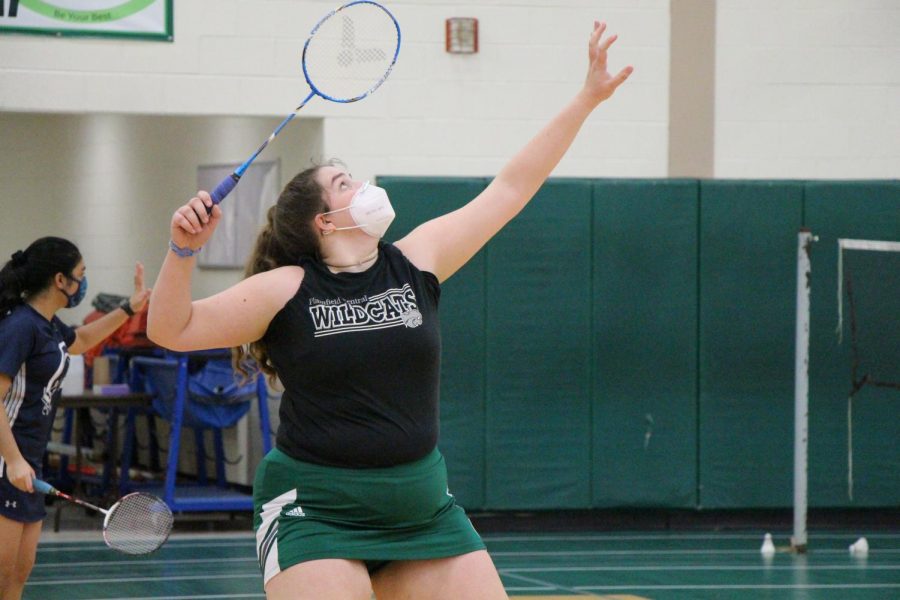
point(351, 52)
point(138, 524)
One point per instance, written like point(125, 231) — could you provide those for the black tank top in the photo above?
point(359, 357)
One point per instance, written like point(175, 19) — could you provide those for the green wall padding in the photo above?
point(610, 309)
point(748, 280)
point(857, 210)
point(462, 438)
point(538, 353)
point(645, 343)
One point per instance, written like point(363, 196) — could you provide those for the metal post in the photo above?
point(801, 390)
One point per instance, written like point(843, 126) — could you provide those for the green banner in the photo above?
point(143, 19)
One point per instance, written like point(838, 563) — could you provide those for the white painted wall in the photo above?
point(108, 134)
point(439, 114)
point(808, 89)
point(110, 183)
point(101, 138)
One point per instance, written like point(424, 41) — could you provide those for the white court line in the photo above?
point(233, 541)
point(170, 542)
point(709, 552)
point(49, 547)
point(766, 568)
point(762, 586)
point(143, 562)
point(91, 537)
point(68, 582)
point(676, 536)
point(192, 597)
point(547, 585)
point(217, 535)
point(662, 567)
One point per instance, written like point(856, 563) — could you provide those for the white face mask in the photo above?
point(370, 209)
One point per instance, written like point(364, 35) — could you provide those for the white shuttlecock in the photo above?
point(860, 547)
point(768, 548)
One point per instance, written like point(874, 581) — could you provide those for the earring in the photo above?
point(324, 232)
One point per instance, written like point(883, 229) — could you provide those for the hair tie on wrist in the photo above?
point(185, 252)
point(18, 258)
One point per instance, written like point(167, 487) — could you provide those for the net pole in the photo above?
point(801, 390)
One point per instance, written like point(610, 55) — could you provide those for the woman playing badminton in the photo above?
point(34, 355)
point(354, 498)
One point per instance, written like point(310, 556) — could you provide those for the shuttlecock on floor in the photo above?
point(768, 548)
point(860, 547)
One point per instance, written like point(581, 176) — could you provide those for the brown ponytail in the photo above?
point(287, 236)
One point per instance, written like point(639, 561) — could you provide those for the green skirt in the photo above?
point(305, 512)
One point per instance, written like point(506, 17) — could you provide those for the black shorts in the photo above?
point(20, 506)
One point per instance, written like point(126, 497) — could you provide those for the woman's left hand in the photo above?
point(141, 294)
point(599, 84)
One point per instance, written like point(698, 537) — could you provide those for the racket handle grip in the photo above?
point(42, 486)
point(223, 189)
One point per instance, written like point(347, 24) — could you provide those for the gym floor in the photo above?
point(74, 564)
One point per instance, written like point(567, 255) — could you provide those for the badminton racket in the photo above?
point(138, 523)
point(347, 56)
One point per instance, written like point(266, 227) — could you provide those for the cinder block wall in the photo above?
point(807, 89)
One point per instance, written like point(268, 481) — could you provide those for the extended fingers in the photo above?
point(605, 44)
point(622, 75)
point(599, 28)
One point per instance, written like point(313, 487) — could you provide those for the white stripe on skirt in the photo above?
point(267, 534)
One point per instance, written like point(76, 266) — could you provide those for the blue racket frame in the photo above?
point(227, 184)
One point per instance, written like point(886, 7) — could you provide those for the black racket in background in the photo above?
point(138, 523)
point(347, 56)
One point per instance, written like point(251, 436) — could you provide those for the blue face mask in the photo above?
point(76, 298)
